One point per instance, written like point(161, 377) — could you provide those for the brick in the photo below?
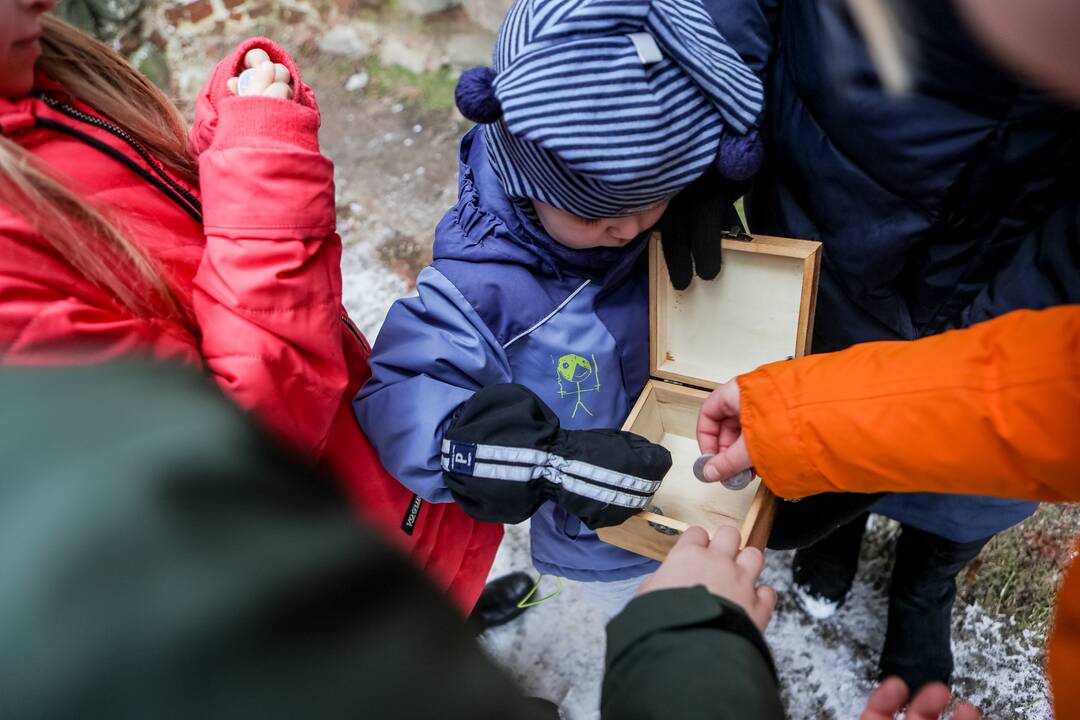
point(189, 12)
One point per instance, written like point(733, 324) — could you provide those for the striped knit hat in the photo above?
point(603, 108)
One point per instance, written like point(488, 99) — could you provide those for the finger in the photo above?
point(725, 542)
point(282, 74)
point(693, 537)
point(965, 711)
point(728, 462)
point(717, 409)
point(708, 434)
point(886, 700)
point(255, 57)
point(675, 242)
point(730, 431)
point(705, 242)
point(232, 84)
point(278, 90)
point(930, 702)
point(261, 78)
point(751, 560)
point(766, 597)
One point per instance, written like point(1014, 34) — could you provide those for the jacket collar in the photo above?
point(17, 114)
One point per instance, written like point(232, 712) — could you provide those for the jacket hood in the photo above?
point(494, 228)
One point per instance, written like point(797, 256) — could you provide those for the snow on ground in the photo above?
point(827, 668)
point(368, 289)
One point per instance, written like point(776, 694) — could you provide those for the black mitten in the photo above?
point(691, 228)
point(505, 454)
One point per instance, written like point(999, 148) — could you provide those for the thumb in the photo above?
point(729, 462)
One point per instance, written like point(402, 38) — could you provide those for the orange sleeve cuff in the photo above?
point(773, 438)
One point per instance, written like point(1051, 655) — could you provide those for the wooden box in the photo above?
point(760, 308)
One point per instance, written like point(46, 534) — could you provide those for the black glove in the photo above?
point(692, 224)
point(504, 455)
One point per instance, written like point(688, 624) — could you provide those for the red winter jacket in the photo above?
point(261, 261)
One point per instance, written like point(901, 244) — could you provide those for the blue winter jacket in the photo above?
point(502, 302)
point(950, 205)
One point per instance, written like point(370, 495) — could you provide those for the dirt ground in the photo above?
point(396, 173)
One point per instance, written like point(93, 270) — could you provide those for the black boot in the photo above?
point(499, 601)
point(918, 638)
point(825, 571)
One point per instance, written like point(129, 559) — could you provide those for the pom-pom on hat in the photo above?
point(605, 108)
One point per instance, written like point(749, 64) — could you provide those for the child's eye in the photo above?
point(589, 221)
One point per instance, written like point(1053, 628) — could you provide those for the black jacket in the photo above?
point(952, 204)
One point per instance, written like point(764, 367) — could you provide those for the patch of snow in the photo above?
point(827, 668)
point(368, 288)
point(817, 607)
point(357, 82)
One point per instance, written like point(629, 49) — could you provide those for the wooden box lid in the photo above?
point(759, 309)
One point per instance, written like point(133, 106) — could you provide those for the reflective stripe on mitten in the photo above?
point(505, 454)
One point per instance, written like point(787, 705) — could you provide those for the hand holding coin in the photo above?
point(736, 482)
point(720, 437)
point(262, 77)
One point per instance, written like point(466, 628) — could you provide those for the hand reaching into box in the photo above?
point(719, 565)
point(719, 431)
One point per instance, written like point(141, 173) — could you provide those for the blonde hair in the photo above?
point(84, 236)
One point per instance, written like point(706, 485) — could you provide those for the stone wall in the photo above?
point(420, 35)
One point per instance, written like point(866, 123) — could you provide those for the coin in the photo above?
point(736, 482)
point(739, 480)
point(699, 466)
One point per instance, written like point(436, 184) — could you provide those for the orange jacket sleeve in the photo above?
point(990, 410)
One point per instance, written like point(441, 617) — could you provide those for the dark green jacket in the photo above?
point(162, 558)
point(690, 655)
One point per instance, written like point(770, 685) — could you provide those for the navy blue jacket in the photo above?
point(950, 205)
point(503, 302)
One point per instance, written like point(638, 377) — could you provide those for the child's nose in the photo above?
point(625, 228)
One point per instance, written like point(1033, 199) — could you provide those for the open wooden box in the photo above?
point(760, 308)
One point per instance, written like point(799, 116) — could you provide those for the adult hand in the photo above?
point(721, 567)
point(719, 431)
point(929, 704)
point(262, 77)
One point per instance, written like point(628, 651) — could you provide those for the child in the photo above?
point(499, 384)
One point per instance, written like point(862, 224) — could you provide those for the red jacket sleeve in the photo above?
point(990, 410)
point(267, 294)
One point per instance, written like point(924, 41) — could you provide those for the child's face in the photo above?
point(20, 28)
point(583, 233)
